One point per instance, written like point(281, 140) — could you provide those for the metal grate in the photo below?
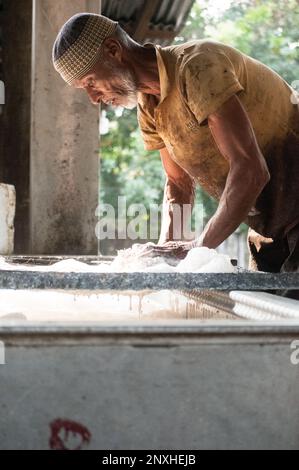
point(208, 305)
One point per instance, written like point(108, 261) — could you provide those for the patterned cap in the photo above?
point(77, 47)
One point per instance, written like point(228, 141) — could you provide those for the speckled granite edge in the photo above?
point(144, 281)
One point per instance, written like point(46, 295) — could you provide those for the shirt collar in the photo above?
point(164, 78)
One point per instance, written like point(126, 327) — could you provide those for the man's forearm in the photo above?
point(239, 196)
point(235, 138)
point(175, 217)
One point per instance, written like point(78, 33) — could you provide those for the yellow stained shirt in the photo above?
point(196, 79)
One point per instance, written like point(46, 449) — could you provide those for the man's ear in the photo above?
point(113, 49)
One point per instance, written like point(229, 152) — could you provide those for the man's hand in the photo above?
point(169, 249)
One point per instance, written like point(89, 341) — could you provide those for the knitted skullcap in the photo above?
point(77, 47)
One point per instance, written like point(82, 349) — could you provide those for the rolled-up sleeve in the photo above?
point(207, 81)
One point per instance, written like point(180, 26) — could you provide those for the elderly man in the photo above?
point(218, 117)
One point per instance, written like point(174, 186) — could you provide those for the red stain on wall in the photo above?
point(68, 435)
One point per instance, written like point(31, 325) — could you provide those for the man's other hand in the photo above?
point(169, 249)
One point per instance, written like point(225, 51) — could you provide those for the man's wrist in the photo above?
point(197, 243)
point(163, 240)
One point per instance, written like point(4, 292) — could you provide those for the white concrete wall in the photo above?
point(7, 215)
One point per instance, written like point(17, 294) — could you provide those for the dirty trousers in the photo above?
point(274, 256)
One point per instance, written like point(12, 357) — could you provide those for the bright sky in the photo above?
point(216, 6)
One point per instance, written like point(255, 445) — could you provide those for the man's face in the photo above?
point(112, 83)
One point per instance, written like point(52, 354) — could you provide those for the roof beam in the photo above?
point(159, 34)
point(143, 23)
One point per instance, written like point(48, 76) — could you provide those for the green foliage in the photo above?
point(127, 169)
point(266, 30)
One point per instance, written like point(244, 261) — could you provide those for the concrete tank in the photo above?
point(206, 377)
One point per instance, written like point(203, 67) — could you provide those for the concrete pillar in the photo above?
point(15, 71)
point(64, 144)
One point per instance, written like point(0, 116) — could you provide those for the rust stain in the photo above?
point(64, 432)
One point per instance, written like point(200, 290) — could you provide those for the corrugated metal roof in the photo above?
point(149, 20)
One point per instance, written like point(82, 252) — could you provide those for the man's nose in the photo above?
point(93, 96)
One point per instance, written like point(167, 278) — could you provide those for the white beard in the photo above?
point(128, 90)
point(131, 102)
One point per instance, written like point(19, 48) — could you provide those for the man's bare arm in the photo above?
point(248, 174)
point(179, 189)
